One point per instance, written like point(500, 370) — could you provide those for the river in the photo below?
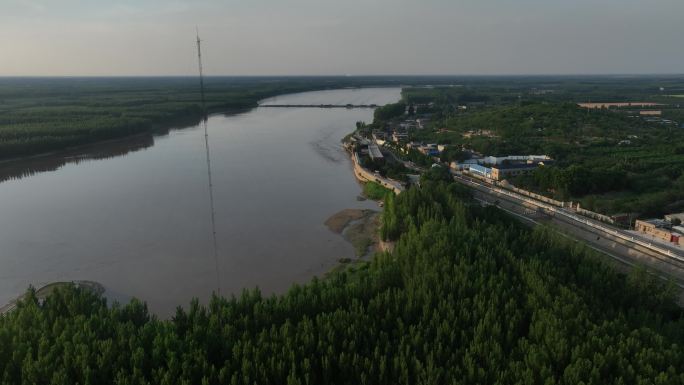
point(134, 215)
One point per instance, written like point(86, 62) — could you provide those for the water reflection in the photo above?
point(18, 169)
point(134, 215)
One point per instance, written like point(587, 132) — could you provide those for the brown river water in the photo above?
point(134, 215)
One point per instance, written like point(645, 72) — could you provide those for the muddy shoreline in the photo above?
point(358, 227)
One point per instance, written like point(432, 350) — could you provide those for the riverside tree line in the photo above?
point(47, 114)
point(468, 296)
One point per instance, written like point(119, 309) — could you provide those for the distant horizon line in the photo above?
point(351, 76)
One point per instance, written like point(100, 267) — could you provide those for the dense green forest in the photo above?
point(468, 296)
point(503, 90)
point(45, 114)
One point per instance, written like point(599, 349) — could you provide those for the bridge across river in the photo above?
point(350, 106)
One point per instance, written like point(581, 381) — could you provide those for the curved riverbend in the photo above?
point(138, 222)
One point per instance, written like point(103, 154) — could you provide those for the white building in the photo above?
point(515, 158)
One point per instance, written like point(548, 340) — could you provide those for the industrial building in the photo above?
point(674, 217)
point(502, 167)
point(658, 228)
point(429, 149)
point(398, 136)
point(505, 171)
point(495, 160)
point(375, 153)
point(618, 105)
point(380, 137)
point(479, 169)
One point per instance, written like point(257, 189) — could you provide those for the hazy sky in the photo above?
point(320, 37)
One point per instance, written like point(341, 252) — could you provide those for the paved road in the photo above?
point(367, 176)
point(619, 249)
point(669, 264)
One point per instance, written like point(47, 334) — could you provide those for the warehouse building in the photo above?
point(675, 217)
point(375, 153)
point(505, 171)
point(502, 167)
point(657, 228)
point(480, 170)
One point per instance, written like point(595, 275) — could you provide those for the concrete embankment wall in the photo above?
point(595, 215)
point(551, 201)
point(621, 234)
point(366, 176)
point(542, 198)
point(571, 205)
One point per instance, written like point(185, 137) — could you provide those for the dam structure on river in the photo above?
point(350, 106)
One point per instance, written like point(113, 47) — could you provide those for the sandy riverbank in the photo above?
point(340, 220)
point(358, 227)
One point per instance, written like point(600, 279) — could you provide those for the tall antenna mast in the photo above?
point(201, 74)
point(211, 185)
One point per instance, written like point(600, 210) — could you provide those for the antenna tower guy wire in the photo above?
point(209, 178)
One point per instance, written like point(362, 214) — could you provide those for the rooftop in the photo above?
point(657, 222)
point(374, 151)
point(509, 166)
